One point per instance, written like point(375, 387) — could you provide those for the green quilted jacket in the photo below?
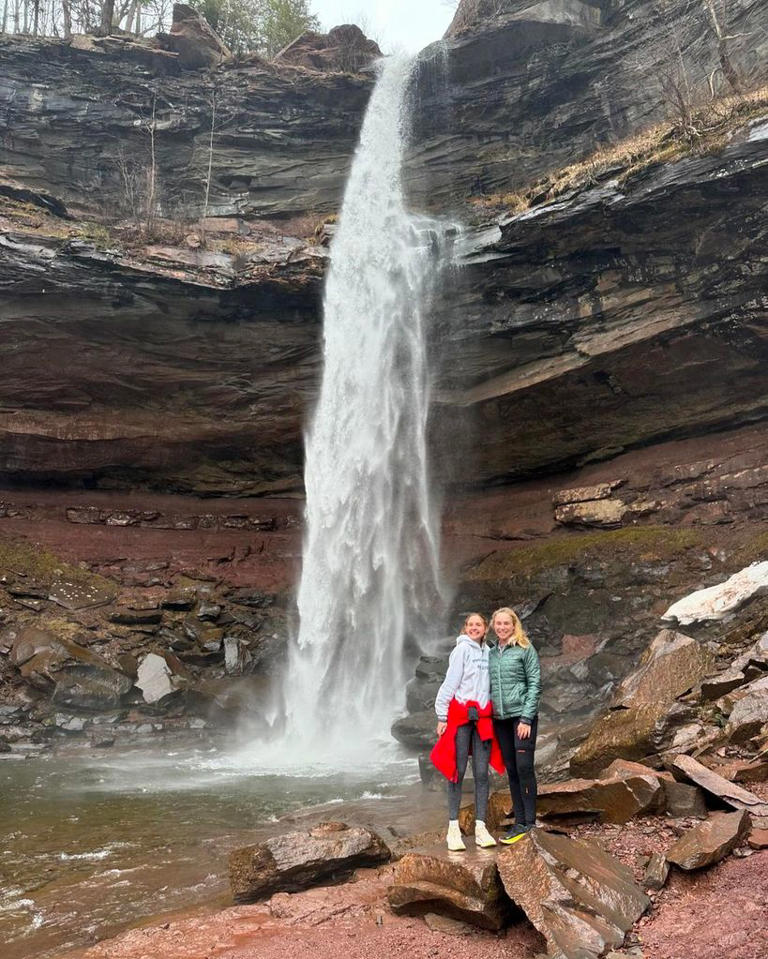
point(515, 681)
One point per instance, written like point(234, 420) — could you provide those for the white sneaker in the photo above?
point(482, 837)
point(454, 840)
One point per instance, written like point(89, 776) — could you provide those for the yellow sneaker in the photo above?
point(515, 834)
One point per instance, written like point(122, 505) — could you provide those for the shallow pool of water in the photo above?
point(91, 843)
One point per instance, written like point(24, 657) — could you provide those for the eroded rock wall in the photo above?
point(78, 124)
point(519, 88)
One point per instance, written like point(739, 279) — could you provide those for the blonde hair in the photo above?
point(518, 636)
point(479, 616)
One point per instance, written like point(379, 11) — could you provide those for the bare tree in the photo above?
point(717, 20)
point(210, 167)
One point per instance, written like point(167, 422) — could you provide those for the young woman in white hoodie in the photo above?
point(465, 725)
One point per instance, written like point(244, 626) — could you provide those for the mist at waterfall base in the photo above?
point(370, 584)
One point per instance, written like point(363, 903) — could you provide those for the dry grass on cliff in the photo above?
point(712, 127)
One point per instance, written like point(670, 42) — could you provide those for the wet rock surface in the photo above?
point(578, 896)
point(689, 769)
point(710, 841)
point(463, 886)
point(329, 852)
point(644, 717)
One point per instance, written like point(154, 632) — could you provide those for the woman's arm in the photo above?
point(450, 684)
point(533, 684)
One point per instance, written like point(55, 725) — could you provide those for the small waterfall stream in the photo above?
point(370, 562)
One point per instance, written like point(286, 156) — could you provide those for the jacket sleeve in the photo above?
point(533, 684)
point(450, 684)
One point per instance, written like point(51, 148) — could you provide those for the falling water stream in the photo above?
point(370, 565)
point(91, 843)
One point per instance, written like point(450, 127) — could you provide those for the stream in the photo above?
point(91, 844)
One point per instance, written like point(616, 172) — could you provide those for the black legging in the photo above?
point(518, 758)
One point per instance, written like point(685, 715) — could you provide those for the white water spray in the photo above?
point(370, 566)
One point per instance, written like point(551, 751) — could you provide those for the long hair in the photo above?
point(519, 636)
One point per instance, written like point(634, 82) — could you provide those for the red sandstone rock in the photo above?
point(463, 886)
point(578, 896)
point(685, 767)
point(345, 48)
point(300, 859)
point(710, 841)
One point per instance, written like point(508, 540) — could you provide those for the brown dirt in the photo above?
point(351, 920)
point(722, 912)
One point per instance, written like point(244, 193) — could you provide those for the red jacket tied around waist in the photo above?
point(443, 754)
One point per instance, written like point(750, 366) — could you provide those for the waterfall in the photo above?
point(370, 560)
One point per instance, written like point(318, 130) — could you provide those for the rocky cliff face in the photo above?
point(77, 124)
point(600, 354)
point(564, 301)
point(626, 314)
point(518, 88)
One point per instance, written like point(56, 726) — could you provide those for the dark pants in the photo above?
point(481, 753)
point(518, 758)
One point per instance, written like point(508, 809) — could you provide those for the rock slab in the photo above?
point(463, 886)
point(690, 769)
point(328, 853)
point(710, 841)
point(579, 897)
point(644, 717)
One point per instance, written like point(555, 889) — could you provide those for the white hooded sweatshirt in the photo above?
point(468, 678)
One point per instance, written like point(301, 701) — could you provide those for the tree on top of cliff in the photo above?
point(263, 25)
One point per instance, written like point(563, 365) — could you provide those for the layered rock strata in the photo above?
point(518, 88)
point(608, 320)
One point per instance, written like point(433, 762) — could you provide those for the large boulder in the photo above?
point(344, 49)
point(750, 714)
point(465, 886)
point(636, 733)
point(159, 675)
point(581, 899)
point(616, 797)
point(716, 602)
point(328, 853)
point(710, 841)
point(418, 731)
point(644, 718)
point(672, 664)
point(91, 687)
point(623, 790)
point(75, 676)
point(195, 41)
point(28, 642)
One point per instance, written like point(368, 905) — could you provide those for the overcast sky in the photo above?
point(408, 24)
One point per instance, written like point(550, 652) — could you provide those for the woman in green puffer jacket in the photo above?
point(515, 691)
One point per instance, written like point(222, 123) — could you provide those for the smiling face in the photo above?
point(474, 627)
point(504, 627)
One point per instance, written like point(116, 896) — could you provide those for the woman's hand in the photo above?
point(524, 730)
point(441, 728)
